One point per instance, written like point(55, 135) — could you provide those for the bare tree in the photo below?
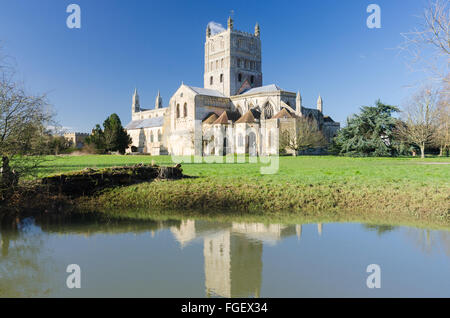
point(23, 121)
point(442, 139)
point(304, 135)
point(428, 45)
point(420, 119)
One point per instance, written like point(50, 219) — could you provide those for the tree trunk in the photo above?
point(422, 151)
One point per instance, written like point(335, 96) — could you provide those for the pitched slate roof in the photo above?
point(283, 113)
point(223, 119)
point(206, 91)
point(210, 119)
point(262, 89)
point(247, 118)
point(145, 123)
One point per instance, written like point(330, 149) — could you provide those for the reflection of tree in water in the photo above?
point(429, 241)
point(24, 268)
point(380, 229)
point(425, 240)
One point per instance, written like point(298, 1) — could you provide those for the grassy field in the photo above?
point(313, 169)
point(393, 190)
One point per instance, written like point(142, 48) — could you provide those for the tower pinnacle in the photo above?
point(320, 104)
point(230, 23)
point(158, 101)
point(257, 30)
point(135, 106)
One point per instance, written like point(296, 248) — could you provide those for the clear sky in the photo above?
point(320, 46)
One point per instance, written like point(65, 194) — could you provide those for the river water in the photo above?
point(197, 258)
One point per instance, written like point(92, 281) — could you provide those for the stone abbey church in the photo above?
point(232, 113)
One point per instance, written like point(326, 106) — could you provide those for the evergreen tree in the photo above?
point(370, 133)
point(116, 138)
point(112, 138)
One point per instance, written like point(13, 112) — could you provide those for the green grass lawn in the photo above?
point(303, 169)
point(384, 189)
point(392, 190)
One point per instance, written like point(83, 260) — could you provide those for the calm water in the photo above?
point(193, 258)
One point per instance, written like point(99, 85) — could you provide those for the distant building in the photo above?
point(76, 139)
point(233, 104)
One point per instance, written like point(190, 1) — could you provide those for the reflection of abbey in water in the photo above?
point(233, 253)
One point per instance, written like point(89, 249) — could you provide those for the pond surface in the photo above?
point(194, 258)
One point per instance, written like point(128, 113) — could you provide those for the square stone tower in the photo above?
point(232, 60)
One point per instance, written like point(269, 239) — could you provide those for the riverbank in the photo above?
point(390, 190)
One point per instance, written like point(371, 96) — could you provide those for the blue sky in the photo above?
point(321, 46)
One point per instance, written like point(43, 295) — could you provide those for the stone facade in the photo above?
point(232, 113)
point(76, 139)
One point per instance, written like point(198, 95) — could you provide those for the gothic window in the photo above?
point(268, 111)
point(217, 64)
point(211, 80)
point(252, 79)
point(185, 110)
point(151, 136)
point(221, 78)
point(238, 62)
point(159, 135)
point(178, 110)
point(240, 77)
point(221, 63)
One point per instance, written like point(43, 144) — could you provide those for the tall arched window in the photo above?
point(268, 111)
point(151, 136)
point(159, 135)
point(240, 77)
point(178, 110)
point(211, 80)
point(252, 79)
point(185, 110)
point(221, 78)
